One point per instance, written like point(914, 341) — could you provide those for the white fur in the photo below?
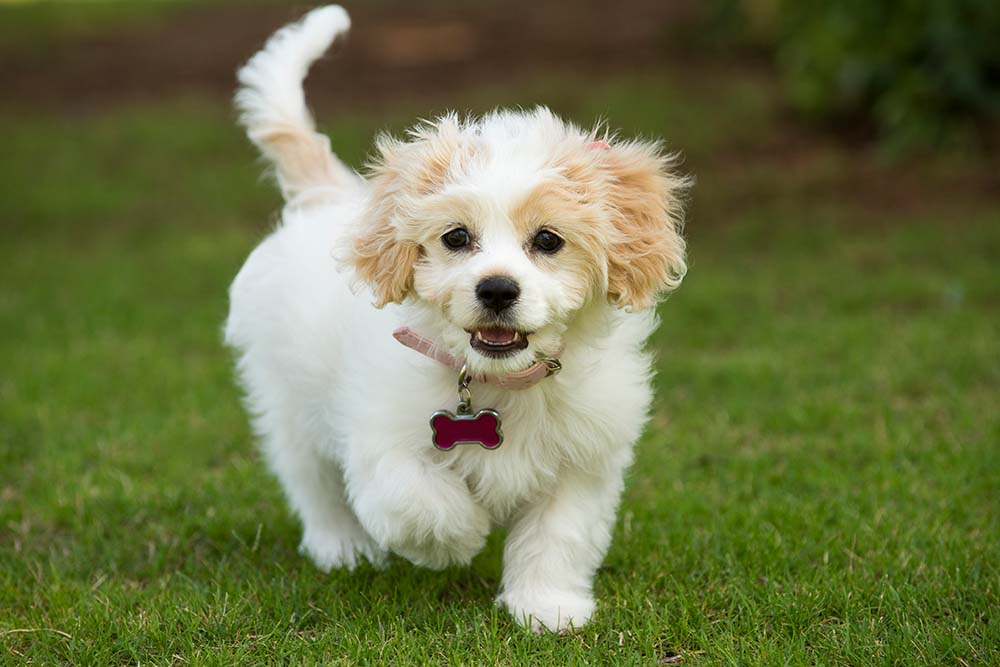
point(342, 409)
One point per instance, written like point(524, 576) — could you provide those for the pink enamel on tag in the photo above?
point(482, 429)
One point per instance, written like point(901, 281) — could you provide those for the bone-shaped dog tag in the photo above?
point(482, 429)
point(462, 427)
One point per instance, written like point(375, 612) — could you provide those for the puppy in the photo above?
point(500, 250)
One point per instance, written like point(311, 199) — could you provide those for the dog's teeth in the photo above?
point(501, 341)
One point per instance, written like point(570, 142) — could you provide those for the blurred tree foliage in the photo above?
point(922, 72)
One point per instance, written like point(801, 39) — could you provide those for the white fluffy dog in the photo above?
point(501, 241)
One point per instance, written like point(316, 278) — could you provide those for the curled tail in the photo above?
point(273, 109)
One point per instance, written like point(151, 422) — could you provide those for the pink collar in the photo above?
point(525, 379)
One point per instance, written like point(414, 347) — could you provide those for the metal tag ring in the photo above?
point(464, 393)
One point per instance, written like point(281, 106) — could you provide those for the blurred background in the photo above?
point(821, 479)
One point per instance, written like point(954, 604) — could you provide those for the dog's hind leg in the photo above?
point(314, 485)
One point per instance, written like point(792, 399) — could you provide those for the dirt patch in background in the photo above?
point(394, 49)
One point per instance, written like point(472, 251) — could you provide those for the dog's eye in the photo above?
point(457, 239)
point(547, 242)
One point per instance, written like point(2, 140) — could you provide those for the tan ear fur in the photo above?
point(386, 264)
point(386, 251)
point(646, 257)
point(381, 258)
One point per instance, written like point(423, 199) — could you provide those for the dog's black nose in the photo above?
point(497, 293)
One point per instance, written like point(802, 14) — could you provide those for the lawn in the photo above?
point(820, 482)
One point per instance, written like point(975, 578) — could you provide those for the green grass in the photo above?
point(820, 483)
point(32, 25)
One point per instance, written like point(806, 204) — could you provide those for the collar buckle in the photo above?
point(553, 366)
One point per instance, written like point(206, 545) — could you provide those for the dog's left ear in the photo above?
point(380, 257)
point(646, 257)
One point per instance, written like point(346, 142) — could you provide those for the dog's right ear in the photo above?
point(385, 249)
point(381, 257)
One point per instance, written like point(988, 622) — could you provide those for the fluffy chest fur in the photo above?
point(585, 419)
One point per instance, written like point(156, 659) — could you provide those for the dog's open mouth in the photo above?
point(497, 341)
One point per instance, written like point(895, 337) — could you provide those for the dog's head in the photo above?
point(507, 226)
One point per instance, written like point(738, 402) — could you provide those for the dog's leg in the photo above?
point(554, 549)
point(332, 536)
point(415, 507)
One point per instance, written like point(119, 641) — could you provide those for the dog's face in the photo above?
point(507, 227)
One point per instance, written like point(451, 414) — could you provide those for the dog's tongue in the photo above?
point(497, 336)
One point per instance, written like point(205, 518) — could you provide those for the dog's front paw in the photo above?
point(552, 611)
point(436, 525)
point(340, 549)
point(454, 543)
